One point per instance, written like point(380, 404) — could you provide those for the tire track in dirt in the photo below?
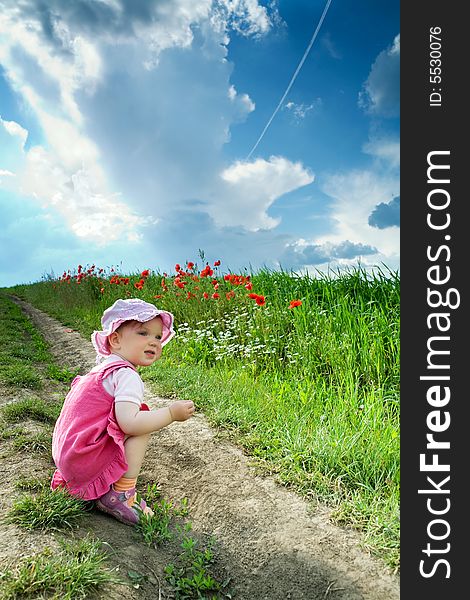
point(273, 544)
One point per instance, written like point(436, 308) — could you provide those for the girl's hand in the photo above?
point(181, 410)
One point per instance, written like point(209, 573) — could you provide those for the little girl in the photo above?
point(102, 432)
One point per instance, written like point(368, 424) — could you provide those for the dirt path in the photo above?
point(272, 544)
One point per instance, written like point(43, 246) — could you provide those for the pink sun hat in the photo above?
point(132, 309)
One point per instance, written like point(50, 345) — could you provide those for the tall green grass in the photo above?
point(312, 391)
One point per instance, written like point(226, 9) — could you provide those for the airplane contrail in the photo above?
point(294, 77)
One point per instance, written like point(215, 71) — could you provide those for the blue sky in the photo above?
point(126, 128)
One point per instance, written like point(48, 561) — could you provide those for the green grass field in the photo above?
point(302, 371)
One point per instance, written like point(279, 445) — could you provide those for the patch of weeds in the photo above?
point(75, 572)
point(11, 432)
point(61, 374)
point(191, 577)
point(30, 408)
point(156, 529)
point(37, 442)
point(32, 484)
point(21, 375)
point(48, 509)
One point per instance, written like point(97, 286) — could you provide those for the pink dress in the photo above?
point(87, 443)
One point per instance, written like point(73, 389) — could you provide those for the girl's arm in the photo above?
point(134, 421)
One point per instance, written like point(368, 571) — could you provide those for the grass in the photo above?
point(30, 408)
point(76, 572)
point(47, 510)
point(191, 576)
point(157, 528)
point(23, 348)
point(311, 392)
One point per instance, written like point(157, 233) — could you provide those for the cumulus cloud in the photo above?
point(380, 95)
point(386, 214)
point(71, 185)
point(303, 253)
point(248, 189)
point(354, 196)
point(71, 63)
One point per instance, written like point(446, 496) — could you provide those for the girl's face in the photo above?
point(139, 343)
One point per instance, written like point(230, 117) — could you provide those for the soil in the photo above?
point(270, 543)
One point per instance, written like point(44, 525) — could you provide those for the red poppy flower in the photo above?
point(217, 263)
point(253, 296)
point(206, 272)
point(158, 296)
point(260, 301)
point(190, 265)
point(205, 295)
point(230, 295)
point(249, 286)
point(294, 303)
point(145, 273)
point(216, 296)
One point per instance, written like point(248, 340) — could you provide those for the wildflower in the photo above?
point(190, 295)
point(190, 265)
point(205, 295)
point(177, 281)
point(177, 267)
point(294, 303)
point(158, 296)
point(230, 295)
point(217, 263)
point(249, 286)
point(260, 300)
point(216, 296)
point(206, 272)
point(145, 273)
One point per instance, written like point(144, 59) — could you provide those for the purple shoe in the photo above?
point(116, 504)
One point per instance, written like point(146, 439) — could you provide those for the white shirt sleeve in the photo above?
point(125, 385)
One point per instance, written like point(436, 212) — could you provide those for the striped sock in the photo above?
point(123, 485)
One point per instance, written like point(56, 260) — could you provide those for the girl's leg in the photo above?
point(135, 447)
point(120, 499)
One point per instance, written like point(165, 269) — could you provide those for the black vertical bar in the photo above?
point(434, 301)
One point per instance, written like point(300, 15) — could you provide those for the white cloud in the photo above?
point(355, 196)
point(15, 129)
point(75, 192)
point(85, 55)
point(300, 111)
point(248, 189)
point(385, 149)
point(381, 92)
